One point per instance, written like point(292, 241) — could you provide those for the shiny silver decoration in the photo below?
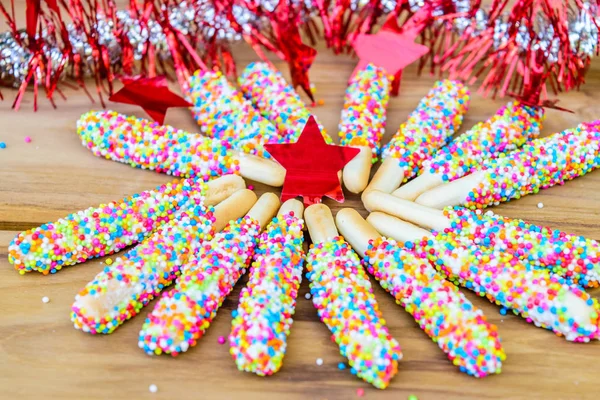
point(480, 22)
point(583, 30)
point(461, 23)
point(415, 5)
point(15, 59)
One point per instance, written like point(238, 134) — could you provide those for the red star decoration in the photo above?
point(311, 165)
point(152, 94)
point(392, 48)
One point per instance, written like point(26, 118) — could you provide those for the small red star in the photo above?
point(152, 94)
point(311, 165)
point(388, 50)
point(392, 48)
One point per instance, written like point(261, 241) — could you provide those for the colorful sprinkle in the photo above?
point(119, 292)
point(543, 163)
point(429, 127)
point(222, 112)
point(148, 145)
point(221, 340)
point(540, 297)
point(573, 257)
point(98, 231)
point(345, 302)
point(153, 388)
point(27, 139)
point(511, 127)
point(45, 299)
point(182, 315)
point(2, 145)
point(277, 101)
point(264, 316)
point(441, 310)
point(365, 104)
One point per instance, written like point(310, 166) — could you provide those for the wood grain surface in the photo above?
point(43, 356)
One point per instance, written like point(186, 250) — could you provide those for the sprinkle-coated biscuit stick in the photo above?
point(429, 127)
point(119, 291)
point(446, 315)
point(182, 315)
point(263, 318)
point(344, 299)
point(162, 148)
point(510, 128)
point(108, 228)
point(543, 163)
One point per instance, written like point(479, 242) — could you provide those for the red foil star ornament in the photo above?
point(393, 47)
point(152, 94)
point(311, 166)
point(387, 50)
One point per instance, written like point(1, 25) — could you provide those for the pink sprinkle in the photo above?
point(221, 340)
point(250, 187)
point(360, 392)
point(27, 139)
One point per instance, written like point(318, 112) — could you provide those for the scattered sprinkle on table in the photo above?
point(27, 139)
point(319, 361)
point(540, 205)
point(307, 296)
point(360, 392)
point(342, 366)
point(108, 261)
point(153, 388)
point(45, 299)
point(413, 397)
point(221, 340)
point(2, 145)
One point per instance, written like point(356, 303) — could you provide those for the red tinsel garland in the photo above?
point(523, 50)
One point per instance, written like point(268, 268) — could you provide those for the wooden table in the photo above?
point(43, 356)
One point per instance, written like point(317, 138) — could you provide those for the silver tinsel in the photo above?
point(14, 58)
point(583, 31)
